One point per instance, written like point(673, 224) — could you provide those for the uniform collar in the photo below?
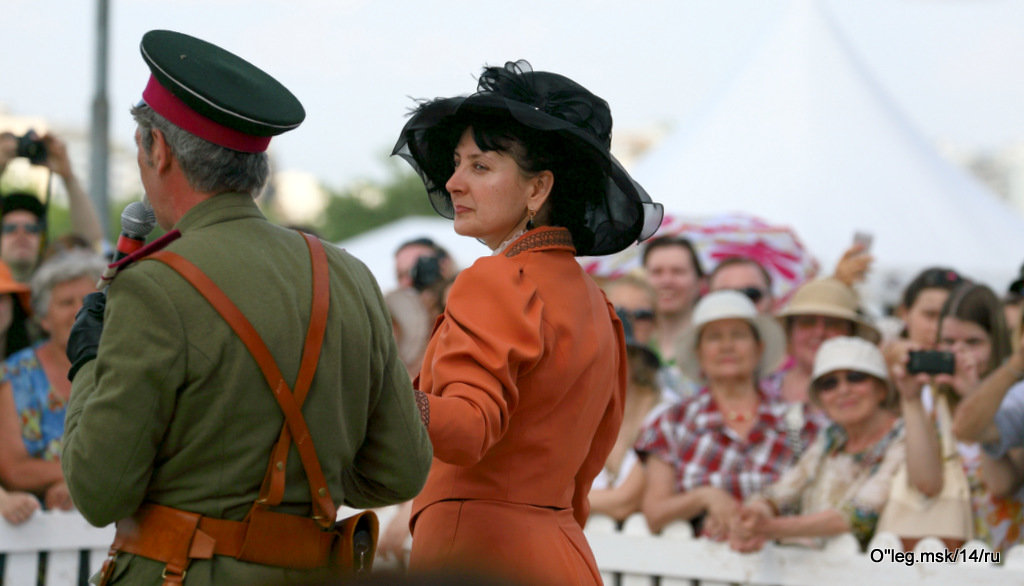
point(219, 208)
point(543, 238)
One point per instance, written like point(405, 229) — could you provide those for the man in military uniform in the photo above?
point(172, 416)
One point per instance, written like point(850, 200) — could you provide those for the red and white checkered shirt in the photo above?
point(692, 437)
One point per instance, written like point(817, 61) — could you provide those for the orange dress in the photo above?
point(524, 378)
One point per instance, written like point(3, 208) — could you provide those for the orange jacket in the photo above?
point(525, 375)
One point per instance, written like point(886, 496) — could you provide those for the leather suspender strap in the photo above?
point(290, 403)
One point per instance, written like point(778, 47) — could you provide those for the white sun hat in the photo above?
point(728, 304)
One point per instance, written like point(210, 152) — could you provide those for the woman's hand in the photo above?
point(908, 385)
point(391, 544)
point(17, 507)
point(747, 529)
point(719, 507)
point(57, 496)
point(854, 265)
point(965, 375)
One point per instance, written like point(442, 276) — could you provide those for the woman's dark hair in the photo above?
point(577, 178)
point(976, 303)
point(18, 332)
point(667, 241)
point(930, 278)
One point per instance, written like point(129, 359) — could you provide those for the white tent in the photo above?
point(376, 248)
point(804, 136)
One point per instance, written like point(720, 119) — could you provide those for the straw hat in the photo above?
point(729, 304)
point(830, 297)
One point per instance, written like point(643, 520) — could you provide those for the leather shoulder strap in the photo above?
point(290, 403)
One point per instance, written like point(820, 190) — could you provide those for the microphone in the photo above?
point(137, 221)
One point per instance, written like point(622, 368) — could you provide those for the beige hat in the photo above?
point(849, 353)
point(729, 304)
point(830, 297)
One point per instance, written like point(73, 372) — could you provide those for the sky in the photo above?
point(953, 66)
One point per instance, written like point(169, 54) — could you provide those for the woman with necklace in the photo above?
point(842, 482)
point(34, 386)
point(707, 453)
point(524, 377)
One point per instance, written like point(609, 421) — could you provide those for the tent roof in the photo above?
point(804, 136)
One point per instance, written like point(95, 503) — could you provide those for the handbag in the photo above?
point(912, 516)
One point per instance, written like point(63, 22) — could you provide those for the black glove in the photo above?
point(84, 340)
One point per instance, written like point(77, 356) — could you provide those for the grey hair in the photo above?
point(66, 266)
point(209, 168)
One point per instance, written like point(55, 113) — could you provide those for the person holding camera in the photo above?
point(246, 382)
point(24, 215)
point(972, 342)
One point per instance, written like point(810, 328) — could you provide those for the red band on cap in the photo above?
point(177, 112)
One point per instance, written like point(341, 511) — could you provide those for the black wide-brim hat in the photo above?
point(551, 103)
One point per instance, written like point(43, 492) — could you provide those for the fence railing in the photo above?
point(631, 556)
point(72, 549)
point(627, 556)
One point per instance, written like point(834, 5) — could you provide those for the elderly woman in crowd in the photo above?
point(842, 481)
point(818, 311)
point(34, 386)
point(708, 453)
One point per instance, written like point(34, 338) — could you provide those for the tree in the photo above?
point(365, 206)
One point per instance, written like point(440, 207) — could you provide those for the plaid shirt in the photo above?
point(693, 438)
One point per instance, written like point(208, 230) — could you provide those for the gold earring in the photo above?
point(529, 218)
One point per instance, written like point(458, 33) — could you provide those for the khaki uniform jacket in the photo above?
point(175, 411)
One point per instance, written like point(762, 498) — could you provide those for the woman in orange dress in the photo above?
point(523, 380)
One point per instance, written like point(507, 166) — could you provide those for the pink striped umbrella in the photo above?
point(777, 248)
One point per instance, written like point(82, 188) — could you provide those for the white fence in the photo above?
point(629, 556)
point(632, 556)
point(63, 537)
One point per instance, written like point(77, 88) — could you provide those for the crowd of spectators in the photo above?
point(43, 279)
point(750, 418)
point(794, 421)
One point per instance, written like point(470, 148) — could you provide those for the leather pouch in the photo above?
point(356, 542)
point(289, 541)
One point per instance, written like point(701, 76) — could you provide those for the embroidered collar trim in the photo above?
point(544, 237)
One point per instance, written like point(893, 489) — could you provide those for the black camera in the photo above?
point(931, 362)
point(32, 148)
point(426, 271)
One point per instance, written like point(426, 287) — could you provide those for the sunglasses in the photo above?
point(754, 294)
point(831, 382)
point(12, 227)
point(638, 315)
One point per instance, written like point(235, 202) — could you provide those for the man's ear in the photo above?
point(160, 153)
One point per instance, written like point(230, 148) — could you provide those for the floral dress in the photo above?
point(40, 410)
point(856, 485)
point(997, 521)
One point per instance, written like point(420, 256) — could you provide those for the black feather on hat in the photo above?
point(616, 214)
